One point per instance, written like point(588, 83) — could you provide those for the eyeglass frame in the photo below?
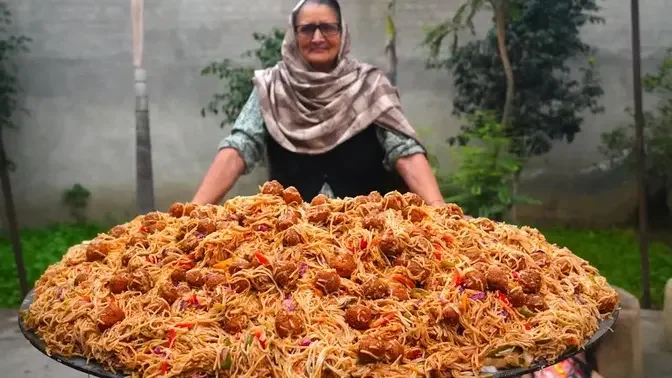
point(318, 26)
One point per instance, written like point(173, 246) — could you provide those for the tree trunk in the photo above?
point(641, 154)
point(143, 147)
point(391, 46)
point(500, 22)
point(12, 223)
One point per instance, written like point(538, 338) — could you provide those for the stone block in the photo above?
point(619, 353)
point(667, 316)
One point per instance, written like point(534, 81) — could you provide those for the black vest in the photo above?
point(353, 168)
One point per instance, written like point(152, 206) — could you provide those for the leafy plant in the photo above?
point(76, 199)
point(238, 78)
point(549, 102)
point(502, 11)
point(482, 184)
point(618, 145)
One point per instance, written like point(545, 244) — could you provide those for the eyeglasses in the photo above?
point(327, 30)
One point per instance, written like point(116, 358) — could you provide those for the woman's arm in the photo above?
point(224, 171)
point(407, 156)
point(238, 154)
point(418, 175)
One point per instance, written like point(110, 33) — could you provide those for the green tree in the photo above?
point(10, 46)
point(238, 78)
point(463, 19)
point(482, 182)
point(551, 97)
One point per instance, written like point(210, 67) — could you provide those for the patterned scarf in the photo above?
point(312, 112)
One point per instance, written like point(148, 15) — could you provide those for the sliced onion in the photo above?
point(303, 269)
point(288, 304)
point(478, 296)
point(306, 342)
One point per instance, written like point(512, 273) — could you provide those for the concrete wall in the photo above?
point(79, 91)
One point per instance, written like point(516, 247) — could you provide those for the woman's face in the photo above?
point(318, 34)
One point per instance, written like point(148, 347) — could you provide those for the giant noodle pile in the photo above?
point(271, 286)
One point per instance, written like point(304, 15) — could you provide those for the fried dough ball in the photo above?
point(169, 292)
point(394, 201)
point(286, 274)
point(374, 221)
point(178, 275)
point(291, 238)
point(292, 196)
point(450, 316)
point(417, 272)
point(141, 281)
point(110, 316)
point(272, 187)
point(117, 231)
point(319, 199)
point(212, 280)
point(195, 277)
point(497, 279)
point(238, 265)
point(97, 251)
point(81, 277)
point(376, 289)
point(358, 317)
point(328, 281)
point(176, 210)
point(390, 245)
point(375, 349)
point(517, 297)
point(119, 283)
point(535, 302)
point(319, 214)
point(287, 220)
point(530, 281)
point(474, 280)
point(344, 264)
point(234, 324)
point(288, 324)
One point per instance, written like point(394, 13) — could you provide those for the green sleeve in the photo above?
point(397, 146)
point(248, 135)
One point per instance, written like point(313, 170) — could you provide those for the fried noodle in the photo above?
point(271, 286)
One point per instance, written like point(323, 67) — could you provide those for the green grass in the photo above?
point(41, 248)
point(614, 252)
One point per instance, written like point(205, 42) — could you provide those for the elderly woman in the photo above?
point(326, 122)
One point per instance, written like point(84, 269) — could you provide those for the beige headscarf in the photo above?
point(312, 112)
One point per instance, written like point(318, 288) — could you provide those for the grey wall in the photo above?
point(79, 91)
